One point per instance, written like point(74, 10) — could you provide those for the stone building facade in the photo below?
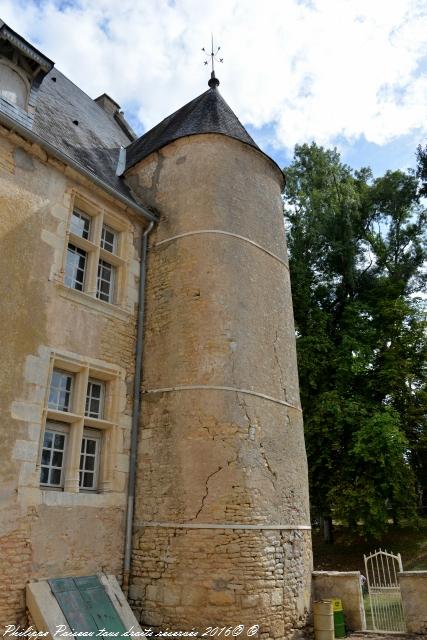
point(220, 530)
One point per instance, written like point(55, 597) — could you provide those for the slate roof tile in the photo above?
point(208, 113)
point(94, 142)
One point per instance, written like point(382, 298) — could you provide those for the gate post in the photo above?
point(413, 587)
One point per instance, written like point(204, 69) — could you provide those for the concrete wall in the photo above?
point(346, 586)
point(49, 533)
point(216, 462)
point(413, 587)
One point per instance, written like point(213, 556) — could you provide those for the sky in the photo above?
point(344, 73)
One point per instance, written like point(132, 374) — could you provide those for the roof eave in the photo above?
point(26, 48)
point(226, 135)
point(27, 134)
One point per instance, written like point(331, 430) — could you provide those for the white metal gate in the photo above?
point(384, 591)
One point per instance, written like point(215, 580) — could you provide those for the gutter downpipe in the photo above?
point(135, 411)
point(68, 160)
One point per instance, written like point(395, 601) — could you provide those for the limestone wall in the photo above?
point(222, 479)
point(49, 533)
point(344, 585)
point(413, 587)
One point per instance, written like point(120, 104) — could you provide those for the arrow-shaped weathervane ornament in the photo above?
point(213, 55)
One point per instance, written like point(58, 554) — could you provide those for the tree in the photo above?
point(422, 169)
point(356, 255)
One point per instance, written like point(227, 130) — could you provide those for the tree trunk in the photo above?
point(328, 533)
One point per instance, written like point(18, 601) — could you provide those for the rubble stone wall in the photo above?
point(221, 434)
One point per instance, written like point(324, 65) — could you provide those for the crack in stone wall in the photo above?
point(206, 493)
point(267, 464)
point(242, 404)
point(279, 366)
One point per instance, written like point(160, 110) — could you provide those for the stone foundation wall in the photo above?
point(15, 566)
point(221, 577)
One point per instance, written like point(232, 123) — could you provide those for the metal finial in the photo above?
point(213, 55)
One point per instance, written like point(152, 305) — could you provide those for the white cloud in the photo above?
point(309, 69)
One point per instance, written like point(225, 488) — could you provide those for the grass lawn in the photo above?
point(389, 614)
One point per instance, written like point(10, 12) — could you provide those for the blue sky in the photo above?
point(345, 73)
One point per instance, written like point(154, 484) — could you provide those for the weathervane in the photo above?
point(213, 55)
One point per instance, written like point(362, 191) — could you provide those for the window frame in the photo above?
point(83, 216)
point(69, 406)
point(96, 253)
point(61, 429)
point(111, 292)
point(96, 435)
point(83, 254)
point(109, 229)
point(92, 381)
point(22, 76)
point(77, 422)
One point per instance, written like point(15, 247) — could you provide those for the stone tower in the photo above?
point(222, 533)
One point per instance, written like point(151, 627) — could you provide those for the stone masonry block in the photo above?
point(221, 598)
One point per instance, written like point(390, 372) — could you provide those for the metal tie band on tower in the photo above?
point(225, 233)
point(233, 525)
point(208, 387)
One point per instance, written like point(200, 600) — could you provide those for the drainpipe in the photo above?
point(135, 410)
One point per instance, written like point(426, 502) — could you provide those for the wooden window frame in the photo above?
point(84, 216)
point(70, 280)
point(95, 252)
point(111, 283)
point(77, 421)
point(69, 406)
point(109, 229)
point(96, 435)
point(63, 429)
point(92, 381)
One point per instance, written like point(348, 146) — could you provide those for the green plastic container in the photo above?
point(339, 626)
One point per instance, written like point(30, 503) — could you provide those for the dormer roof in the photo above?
point(41, 63)
point(22, 70)
point(66, 118)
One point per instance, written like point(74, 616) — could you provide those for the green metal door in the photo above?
point(87, 606)
point(99, 605)
point(72, 604)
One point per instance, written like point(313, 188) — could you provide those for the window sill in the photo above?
point(93, 492)
point(93, 303)
point(45, 487)
point(62, 416)
point(57, 498)
point(97, 423)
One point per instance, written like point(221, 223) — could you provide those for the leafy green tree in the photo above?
point(422, 169)
point(357, 250)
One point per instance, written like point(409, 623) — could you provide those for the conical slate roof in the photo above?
point(208, 113)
